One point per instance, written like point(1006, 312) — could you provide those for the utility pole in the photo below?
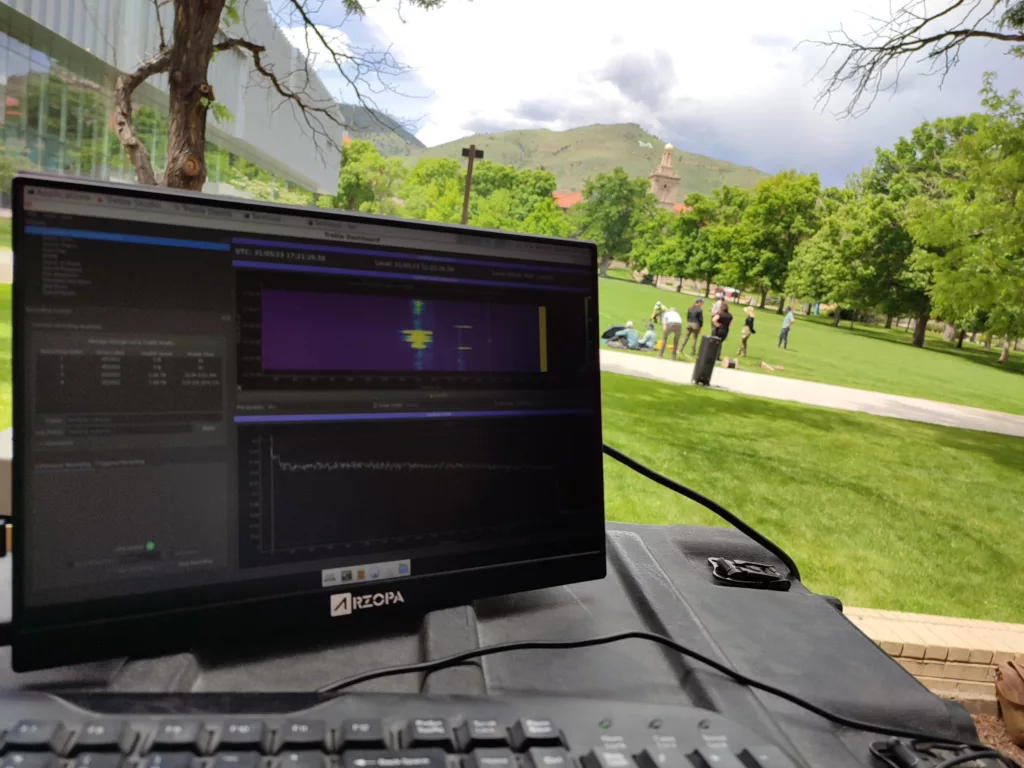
point(472, 153)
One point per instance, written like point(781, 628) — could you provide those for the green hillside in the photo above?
point(581, 152)
point(384, 132)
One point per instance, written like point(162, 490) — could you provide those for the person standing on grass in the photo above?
point(747, 332)
point(719, 303)
point(787, 323)
point(694, 323)
point(721, 322)
point(672, 322)
point(656, 314)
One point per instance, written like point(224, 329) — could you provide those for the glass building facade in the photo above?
point(56, 100)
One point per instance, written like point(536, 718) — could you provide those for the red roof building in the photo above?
point(566, 200)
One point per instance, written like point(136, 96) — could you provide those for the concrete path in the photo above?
point(777, 387)
point(6, 266)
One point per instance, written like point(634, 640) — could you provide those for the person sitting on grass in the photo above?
point(627, 338)
point(746, 332)
point(649, 339)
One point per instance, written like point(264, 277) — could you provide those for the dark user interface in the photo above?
point(243, 401)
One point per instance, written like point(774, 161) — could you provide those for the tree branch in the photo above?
point(312, 113)
point(160, 22)
point(862, 64)
point(122, 115)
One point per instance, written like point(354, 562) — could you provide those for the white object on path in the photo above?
point(813, 393)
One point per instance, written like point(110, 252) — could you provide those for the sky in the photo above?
point(729, 80)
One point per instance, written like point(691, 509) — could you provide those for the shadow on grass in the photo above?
point(773, 418)
point(971, 354)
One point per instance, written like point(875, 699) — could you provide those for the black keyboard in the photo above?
point(373, 731)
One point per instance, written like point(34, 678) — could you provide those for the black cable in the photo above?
point(704, 501)
point(488, 650)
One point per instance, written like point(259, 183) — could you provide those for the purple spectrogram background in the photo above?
point(313, 331)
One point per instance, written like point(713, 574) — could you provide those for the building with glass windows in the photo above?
point(59, 60)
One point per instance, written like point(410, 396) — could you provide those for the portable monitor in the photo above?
point(235, 418)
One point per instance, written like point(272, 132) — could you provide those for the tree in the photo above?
point(783, 212)
point(368, 182)
point(613, 206)
point(547, 219)
point(917, 31)
point(974, 231)
point(195, 38)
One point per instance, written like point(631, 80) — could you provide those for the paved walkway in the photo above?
point(6, 266)
point(777, 387)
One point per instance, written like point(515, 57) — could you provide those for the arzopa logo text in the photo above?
point(343, 603)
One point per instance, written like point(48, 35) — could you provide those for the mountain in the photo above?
point(576, 154)
point(387, 135)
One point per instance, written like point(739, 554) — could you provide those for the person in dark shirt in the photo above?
point(694, 322)
point(721, 322)
point(746, 332)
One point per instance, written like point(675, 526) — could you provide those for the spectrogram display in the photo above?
point(320, 331)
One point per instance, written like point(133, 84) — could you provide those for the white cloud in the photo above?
point(711, 78)
point(312, 47)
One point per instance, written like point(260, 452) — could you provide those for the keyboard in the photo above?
point(372, 731)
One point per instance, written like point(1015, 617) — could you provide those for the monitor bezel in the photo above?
point(274, 619)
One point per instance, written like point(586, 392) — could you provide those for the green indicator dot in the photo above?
point(150, 546)
point(605, 724)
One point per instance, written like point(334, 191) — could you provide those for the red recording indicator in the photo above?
point(99, 199)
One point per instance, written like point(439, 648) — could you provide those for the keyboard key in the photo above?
point(656, 758)
point(101, 736)
point(239, 734)
point(236, 760)
point(428, 732)
point(176, 735)
point(302, 759)
point(363, 734)
point(473, 734)
point(98, 760)
point(29, 760)
point(42, 735)
point(765, 756)
point(607, 758)
point(548, 757)
point(404, 758)
point(167, 760)
point(706, 757)
point(490, 758)
point(528, 733)
point(303, 734)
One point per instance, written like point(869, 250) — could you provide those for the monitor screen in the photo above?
point(220, 404)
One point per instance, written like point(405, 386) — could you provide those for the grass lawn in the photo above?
point(864, 357)
point(5, 234)
point(882, 513)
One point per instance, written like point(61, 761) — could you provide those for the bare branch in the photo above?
point(312, 112)
point(861, 64)
point(160, 22)
point(125, 87)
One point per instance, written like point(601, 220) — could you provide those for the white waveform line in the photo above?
point(398, 466)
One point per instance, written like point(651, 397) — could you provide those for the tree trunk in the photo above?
point(921, 325)
point(1005, 354)
point(195, 24)
point(606, 260)
point(974, 335)
point(679, 287)
point(707, 288)
point(960, 340)
point(837, 316)
point(949, 332)
point(888, 320)
point(988, 340)
point(764, 298)
point(809, 306)
point(783, 302)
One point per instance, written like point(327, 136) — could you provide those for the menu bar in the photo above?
point(236, 217)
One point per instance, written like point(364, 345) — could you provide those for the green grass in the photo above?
point(882, 513)
point(5, 234)
point(577, 154)
point(864, 357)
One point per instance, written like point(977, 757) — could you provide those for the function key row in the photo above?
point(242, 735)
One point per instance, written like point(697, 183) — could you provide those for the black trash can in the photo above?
point(706, 359)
